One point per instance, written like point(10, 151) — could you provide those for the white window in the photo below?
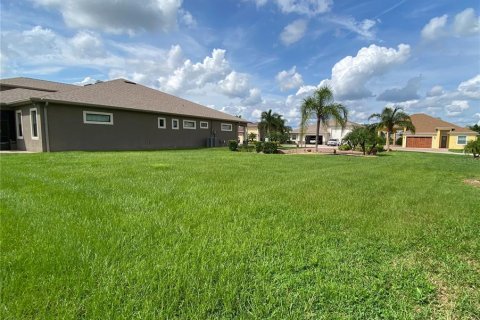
point(162, 123)
point(175, 124)
point(462, 140)
point(19, 124)
point(203, 125)
point(34, 123)
point(189, 124)
point(227, 127)
point(93, 117)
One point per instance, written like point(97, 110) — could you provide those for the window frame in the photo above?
point(85, 121)
point(178, 124)
point(203, 122)
point(189, 128)
point(19, 134)
point(36, 124)
point(164, 123)
point(227, 124)
point(458, 140)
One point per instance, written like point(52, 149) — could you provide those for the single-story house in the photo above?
point(332, 130)
point(38, 115)
point(434, 133)
point(251, 127)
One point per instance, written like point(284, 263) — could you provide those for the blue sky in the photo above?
point(244, 57)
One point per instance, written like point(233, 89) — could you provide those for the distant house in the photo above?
point(250, 128)
point(332, 130)
point(38, 115)
point(434, 133)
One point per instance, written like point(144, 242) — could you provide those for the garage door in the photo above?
point(419, 142)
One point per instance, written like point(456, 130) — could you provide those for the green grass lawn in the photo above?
point(215, 234)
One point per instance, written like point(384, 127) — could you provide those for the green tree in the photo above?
point(269, 121)
point(322, 107)
point(274, 126)
point(389, 119)
point(365, 136)
point(475, 127)
point(252, 136)
point(473, 147)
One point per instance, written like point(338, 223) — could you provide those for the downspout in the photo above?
point(47, 137)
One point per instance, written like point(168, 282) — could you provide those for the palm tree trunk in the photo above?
point(388, 140)
point(316, 137)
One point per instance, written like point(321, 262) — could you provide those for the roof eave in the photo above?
point(132, 109)
point(16, 103)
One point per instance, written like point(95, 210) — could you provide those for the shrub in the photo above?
point(233, 145)
point(380, 148)
point(270, 147)
point(399, 141)
point(473, 147)
point(247, 148)
point(259, 146)
point(344, 147)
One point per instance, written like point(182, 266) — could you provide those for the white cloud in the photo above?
point(456, 107)
point(477, 115)
point(260, 3)
point(86, 80)
point(365, 28)
point(358, 116)
point(254, 97)
point(408, 92)
point(293, 32)
point(435, 28)
point(256, 113)
point(235, 85)
point(42, 50)
point(117, 16)
point(187, 18)
point(452, 103)
point(466, 23)
point(350, 75)
point(305, 90)
point(87, 45)
point(435, 91)
point(304, 7)
point(196, 75)
point(470, 88)
point(175, 57)
point(290, 79)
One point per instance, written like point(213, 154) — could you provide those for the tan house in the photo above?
point(434, 133)
point(332, 130)
point(38, 115)
point(251, 127)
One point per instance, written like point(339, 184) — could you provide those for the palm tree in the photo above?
point(322, 106)
point(390, 118)
point(270, 121)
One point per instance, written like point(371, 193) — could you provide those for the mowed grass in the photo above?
point(202, 234)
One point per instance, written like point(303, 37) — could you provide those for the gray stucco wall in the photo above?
point(29, 143)
point(131, 130)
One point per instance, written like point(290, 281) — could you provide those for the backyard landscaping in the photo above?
point(211, 233)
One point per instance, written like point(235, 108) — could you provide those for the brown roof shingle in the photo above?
point(36, 84)
point(124, 94)
point(427, 124)
point(119, 94)
point(19, 95)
